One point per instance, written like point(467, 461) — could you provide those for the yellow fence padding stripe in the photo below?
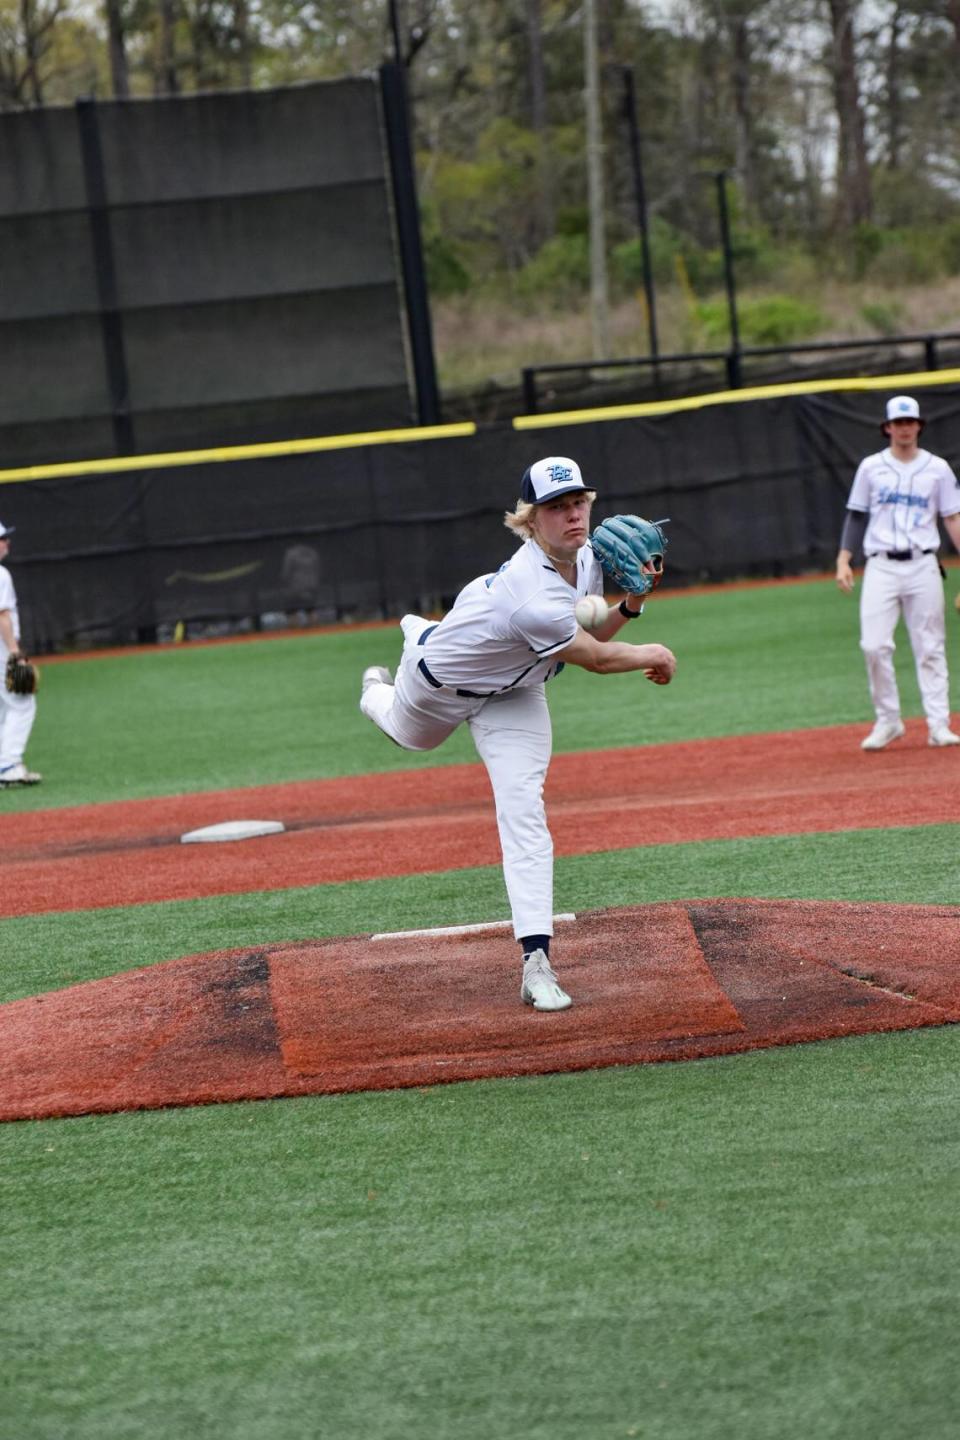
point(895, 383)
point(124, 463)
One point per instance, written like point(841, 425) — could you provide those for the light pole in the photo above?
point(733, 363)
point(636, 155)
point(598, 241)
point(395, 32)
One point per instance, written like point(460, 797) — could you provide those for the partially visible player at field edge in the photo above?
point(892, 513)
point(486, 664)
point(17, 712)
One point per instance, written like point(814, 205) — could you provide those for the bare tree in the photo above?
point(854, 199)
point(894, 88)
point(166, 77)
point(538, 117)
point(741, 68)
point(241, 37)
point(599, 304)
point(117, 49)
point(952, 11)
point(25, 44)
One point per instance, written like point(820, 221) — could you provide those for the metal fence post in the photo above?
point(636, 155)
point(111, 323)
point(393, 89)
point(733, 362)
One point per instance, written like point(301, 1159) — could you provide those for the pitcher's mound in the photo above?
point(673, 981)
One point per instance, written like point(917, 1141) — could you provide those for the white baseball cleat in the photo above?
point(943, 735)
point(882, 733)
point(19, 775)
point(540, 987)
point(375, 675)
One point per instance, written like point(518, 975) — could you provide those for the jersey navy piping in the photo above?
point(429, 676)
point(506, 630)
point(540, 654)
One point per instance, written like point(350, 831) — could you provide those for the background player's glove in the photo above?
point(22, 676)
point(624, 544)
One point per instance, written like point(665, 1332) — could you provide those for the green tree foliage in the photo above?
point(771, 320)
point(496, 92)
point(447, 273)
point(558, 274)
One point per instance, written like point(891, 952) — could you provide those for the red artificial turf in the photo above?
point(413, 822)
point(655, 982)
point(671, 981)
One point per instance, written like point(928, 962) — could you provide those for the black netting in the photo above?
point(753, 488)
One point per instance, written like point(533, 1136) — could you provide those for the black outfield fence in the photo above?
point(371, 526)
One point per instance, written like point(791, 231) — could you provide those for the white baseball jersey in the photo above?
point(8, 601)
point(504, 629)
point(903, 500)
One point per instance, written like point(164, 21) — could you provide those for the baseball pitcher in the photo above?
point(486, 664)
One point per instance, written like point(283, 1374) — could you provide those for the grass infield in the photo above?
point(763, 1245)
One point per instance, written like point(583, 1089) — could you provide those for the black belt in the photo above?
point(904, 554)
point(438, 685)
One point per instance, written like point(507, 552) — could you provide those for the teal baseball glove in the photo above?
point(624, 544)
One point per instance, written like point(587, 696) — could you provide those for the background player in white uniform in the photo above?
point(893, 509)
point(17, 712)
point(486, 664)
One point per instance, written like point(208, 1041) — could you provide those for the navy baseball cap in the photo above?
point(6, 529)
point(548, 478)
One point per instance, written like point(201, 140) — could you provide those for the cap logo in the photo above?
point(903, 407)
point(559, 474)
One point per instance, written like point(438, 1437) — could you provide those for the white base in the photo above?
point(232, 830)
point(457, 929)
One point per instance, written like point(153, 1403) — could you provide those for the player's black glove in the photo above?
point(624, 544)
point(22, 677)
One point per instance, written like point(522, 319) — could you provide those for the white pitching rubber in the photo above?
point(458, 929)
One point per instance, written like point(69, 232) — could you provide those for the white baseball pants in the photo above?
point(514, 739)
point(17, 714)
point(915, 589)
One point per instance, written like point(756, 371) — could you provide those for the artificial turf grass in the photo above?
point(756, 1246)
point(206, 1286)
point(904, 866)
point(285, 708)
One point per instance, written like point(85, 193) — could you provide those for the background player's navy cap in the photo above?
point(556, 475)
point(6, 529)
point(903, 407)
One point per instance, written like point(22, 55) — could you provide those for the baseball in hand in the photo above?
point(591, 611)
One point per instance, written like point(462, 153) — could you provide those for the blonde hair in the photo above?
point(520, 520)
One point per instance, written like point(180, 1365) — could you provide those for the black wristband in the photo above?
point(627, 612)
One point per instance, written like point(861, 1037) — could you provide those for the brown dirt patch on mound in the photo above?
point(650, 983)
point(417, 821)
